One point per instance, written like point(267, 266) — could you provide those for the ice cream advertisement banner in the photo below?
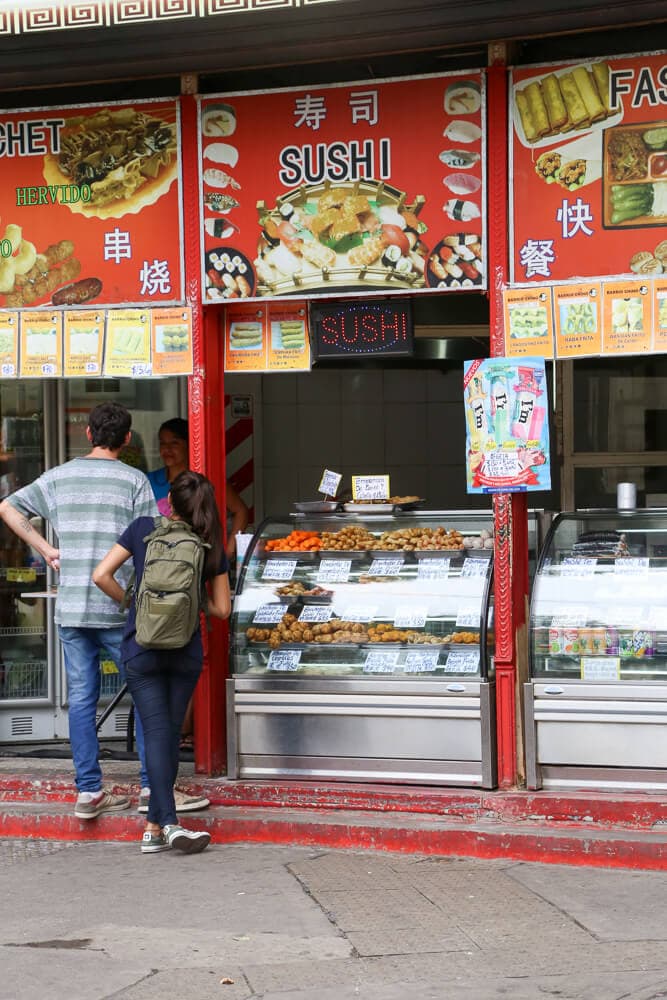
point(369, 188)
point(507, 425)
point(90, 206)
point(588, 150)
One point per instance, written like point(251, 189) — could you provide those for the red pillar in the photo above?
point(510, 509)
point(206, 417)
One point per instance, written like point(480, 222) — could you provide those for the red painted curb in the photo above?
point(638, 851)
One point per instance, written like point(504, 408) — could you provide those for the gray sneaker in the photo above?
point(188, 841)
point(102, 802)
point(151, 843)
point(184, 801)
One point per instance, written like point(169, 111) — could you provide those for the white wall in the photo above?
point(407, 423)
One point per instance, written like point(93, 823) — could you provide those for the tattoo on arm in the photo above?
point(26, 525)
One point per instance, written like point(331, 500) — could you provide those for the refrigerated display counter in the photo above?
point(596, 704)
point(360, 650)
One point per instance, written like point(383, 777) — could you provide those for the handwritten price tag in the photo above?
point(279, 569)
point(600, 668)
point(381, 661)
point(360, 613)
point(284, 659)
point(411, 618)
point(576, 617)
point(386, 567)
point(433, 569)
point(475, 567)
point(334, 570)
point(329, 483)
point(269, 614)
point(578, 566)
point(631, 566)
point(315, 613)
point(421, 661)
point(468, 616)
point(370, 487)
point(463, 661)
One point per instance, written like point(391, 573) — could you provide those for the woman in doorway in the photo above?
point(173, 438)
point(162, 681)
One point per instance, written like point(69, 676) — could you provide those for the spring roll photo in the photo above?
point(529, 129)
point(576, 108)
point(537, 108)
point(554, 103)
point(601, 77)
point(588, 90)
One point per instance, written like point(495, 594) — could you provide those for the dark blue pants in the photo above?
point(161, 683)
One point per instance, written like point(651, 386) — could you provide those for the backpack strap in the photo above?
point(131, 583)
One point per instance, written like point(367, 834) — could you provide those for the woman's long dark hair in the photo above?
point(192, 498)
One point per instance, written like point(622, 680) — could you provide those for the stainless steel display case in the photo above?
point(405, 710)
point(596, 705)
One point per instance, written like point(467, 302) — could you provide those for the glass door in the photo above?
point(27, 684)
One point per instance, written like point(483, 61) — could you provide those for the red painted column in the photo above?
point(206, 417)
point(510, 510)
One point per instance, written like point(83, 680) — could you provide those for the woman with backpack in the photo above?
point(174, 559)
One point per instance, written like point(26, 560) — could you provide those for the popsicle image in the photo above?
point(476, 413)
point(528, 390)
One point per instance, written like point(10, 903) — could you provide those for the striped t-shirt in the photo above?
point(89, 502)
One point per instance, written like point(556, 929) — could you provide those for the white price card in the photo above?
point(575, 616)
point(463, 661)
point(468, 616)
point(411, 618)
point(475, 567)
point(600, 668)
point(360, 613)
point(578, 566)
point(386, 567)
point(370, 487)
point(421, 661)
point(279, 569)
point(631, 566)
point(269, 614)
point(381, 661)
point(284, 659)
point(315, 613)
point(433, 569)
point(334, 570)
point(329, 483)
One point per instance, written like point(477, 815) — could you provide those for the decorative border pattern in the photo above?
point(20, 17)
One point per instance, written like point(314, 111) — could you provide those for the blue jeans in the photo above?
point(81, 651)
point(161, 683)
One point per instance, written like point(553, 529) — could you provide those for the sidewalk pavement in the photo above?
point(101, 921)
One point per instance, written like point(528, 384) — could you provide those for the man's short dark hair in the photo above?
point(109, 425)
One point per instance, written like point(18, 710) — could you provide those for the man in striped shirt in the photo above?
point(89, 502)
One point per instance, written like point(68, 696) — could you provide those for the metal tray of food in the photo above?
point(368, 508)
point(478, 553)
point(300, 555)
point(357, 555)
point(317, 506)
point(404, 554)
point(438, 553)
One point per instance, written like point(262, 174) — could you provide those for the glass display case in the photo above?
point(596, 706)
point(359, 647)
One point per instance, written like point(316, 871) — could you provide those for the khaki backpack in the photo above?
point(171, 593)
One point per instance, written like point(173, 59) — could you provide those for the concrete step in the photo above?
point(402, 832)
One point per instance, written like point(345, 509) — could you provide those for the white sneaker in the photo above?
point(188, 841)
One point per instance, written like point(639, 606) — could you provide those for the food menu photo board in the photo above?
point(9, 344)
point(578, 311)
point(528, 322)
point(41, 344)
point(83, 331)
point(660, 314)
point(627, 311)
point(171, 341)
point(375, 187)
point(127, 349)
point(90, 206)
point(588, 153)
point(507, 425)
point(267, 337)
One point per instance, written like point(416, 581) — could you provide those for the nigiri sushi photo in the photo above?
point(463, 132)
point(462, 183)
point(220, 119)
point(461, 211)
point(219, 179)
point(221, 229)
point(459, 158)
point(222, 152)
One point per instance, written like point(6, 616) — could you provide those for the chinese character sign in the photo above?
point(376, 187)
point(507, 426)
point(90, 206)
point(589, 169)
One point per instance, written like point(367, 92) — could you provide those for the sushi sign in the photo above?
point(589, 169)
point(317, 192)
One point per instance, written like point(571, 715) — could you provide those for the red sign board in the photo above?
point(589, 168)
point(374, 187)
point(90, 206)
